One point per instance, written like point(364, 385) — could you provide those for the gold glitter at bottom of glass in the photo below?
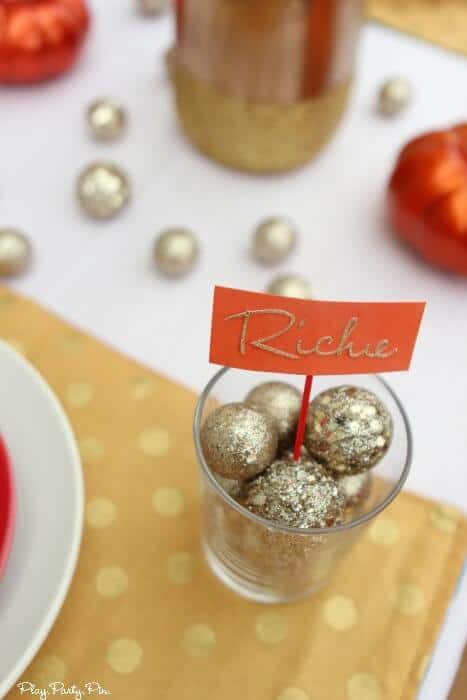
point(251, 136)
point(286, 562)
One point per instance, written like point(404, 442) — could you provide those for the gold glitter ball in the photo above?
point(292, 286)
point(106, 119)
point(15, 252)
point(176, 251)
point(152, 8)
point(274, 240)
point(348, 429)
point(394, 96)
point(103, 190)
point(238, 441)
point(297, 494)
point(282, 402)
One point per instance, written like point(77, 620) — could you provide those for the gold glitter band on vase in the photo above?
point(443, 22)
point(251, 136)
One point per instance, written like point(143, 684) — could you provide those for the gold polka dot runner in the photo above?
point(443, 22)
point(145, 618)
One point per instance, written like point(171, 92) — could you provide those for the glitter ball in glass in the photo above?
point(274, 240)
point(106, 119)
point(291, 286)
point(297, 494)
point(176, 251)
point(348, 429)
point(238, 441)
point(394, 96)
point(282, 402)
point(15, 252)
point(355, 488)
point(103, 190)
point(152, 8)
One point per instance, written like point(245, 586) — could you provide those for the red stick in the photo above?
point(302, 418)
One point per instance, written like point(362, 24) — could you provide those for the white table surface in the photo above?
point(100, 276)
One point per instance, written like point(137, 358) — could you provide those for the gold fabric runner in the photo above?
point(443, 22)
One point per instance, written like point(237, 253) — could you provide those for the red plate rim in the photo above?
point(7, 506)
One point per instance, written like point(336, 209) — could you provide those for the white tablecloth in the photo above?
point(100, 275)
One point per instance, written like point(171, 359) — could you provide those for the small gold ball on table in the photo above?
point(274, 240)
point(106, 119)
point(176, 251)
point(394, 96)
point(282, 402)
point(292, 286)
point(238, 441)
point(103, 190)
point(152, 8)
point(15, 252)
point(348, 430)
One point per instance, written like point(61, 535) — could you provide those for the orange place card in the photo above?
point(277, 334)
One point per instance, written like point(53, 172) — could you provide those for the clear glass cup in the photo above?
point(269, 562)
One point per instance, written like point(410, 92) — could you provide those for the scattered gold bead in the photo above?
point(394, 96)
point(291, 286)
point(15, 252)
point(176, 251)
point(274, 240)
point(106, 119)
point(153, 8)
point(103, 190)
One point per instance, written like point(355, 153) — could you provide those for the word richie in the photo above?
point(345, 345)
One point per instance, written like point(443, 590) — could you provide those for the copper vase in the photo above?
point(260, 85)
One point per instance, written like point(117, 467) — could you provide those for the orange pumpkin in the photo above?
point(40, 39)
point(427, 197)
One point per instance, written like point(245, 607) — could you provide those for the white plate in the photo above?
point(49, 522)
